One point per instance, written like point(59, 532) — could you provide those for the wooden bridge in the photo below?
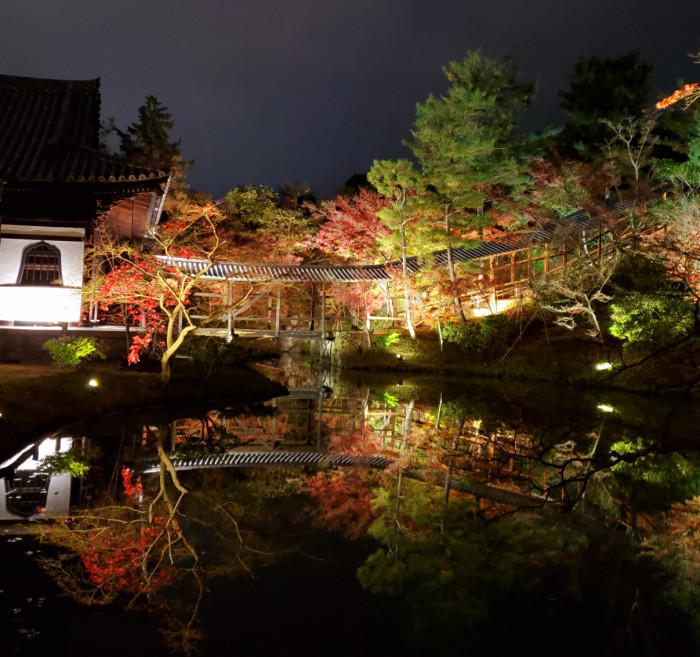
point(253, 300)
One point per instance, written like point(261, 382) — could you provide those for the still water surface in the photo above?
point(409, 517)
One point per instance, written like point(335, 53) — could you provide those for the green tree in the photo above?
point(398, 181)
point(611, 89)
point(259, 226)
point(654, 319)
point(464, 142)
point(147, 142)
point(686, 173)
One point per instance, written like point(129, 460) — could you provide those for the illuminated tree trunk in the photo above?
point(451, 269)
point(406, 289)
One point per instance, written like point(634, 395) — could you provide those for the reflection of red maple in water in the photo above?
point(354, 442)
point(113, 560)
point(113, 556)
point(130, 488)
point(344, 501)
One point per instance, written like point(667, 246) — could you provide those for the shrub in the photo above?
point(213, 353)
point(71, 352)
point(651, 319)
point(385, 341)
point(488, 334)
point(64, 462)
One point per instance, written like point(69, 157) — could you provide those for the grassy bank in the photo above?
point(35, 399)
point(560, 357)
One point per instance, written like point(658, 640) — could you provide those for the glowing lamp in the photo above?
point(605, 408)
point(93, 383)
point(603, 366)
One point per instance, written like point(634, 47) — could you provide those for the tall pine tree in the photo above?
point(146, 142)
point(465, 143)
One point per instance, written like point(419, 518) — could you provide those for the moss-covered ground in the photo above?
point(557, 356)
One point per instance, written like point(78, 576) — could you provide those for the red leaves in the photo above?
point(352, 226)
point(113, 560)
point(131, 488)
point(344, 501)
point(138, 344)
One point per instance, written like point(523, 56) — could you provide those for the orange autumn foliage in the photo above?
point(679, 94)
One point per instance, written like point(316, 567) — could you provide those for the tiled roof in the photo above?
point(49, 132)
point(236, 271)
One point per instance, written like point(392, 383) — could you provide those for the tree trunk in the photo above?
point(406, 290)
point(451, 269)
point(171, 346)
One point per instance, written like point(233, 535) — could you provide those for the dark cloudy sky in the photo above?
point(265, 91)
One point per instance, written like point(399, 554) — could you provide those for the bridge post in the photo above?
point(229, 314)
point(277, 311)
point(312, 323)
point(546, 257)
point(323, 311)
point(322, 339)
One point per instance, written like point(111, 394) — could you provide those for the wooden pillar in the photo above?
point(228, 292)
point(277, 311)
point(546, 257)
point(512, 267)
point(320, 420)
point(323, 311)
point(313, 307)
point(173, 435)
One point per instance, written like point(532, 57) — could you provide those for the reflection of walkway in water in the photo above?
point(275, 458)
point(286, 438)
point(247, 459)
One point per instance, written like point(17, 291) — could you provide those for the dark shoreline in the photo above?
point(34, 406)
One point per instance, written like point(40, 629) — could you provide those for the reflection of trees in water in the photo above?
point(134, 548)
point(475, 509)
point(154, 545)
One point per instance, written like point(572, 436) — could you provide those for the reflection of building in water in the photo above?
point(28, 491)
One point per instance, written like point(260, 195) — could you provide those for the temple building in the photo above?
point(54, 182)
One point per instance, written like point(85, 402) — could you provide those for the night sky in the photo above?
point(266, 91)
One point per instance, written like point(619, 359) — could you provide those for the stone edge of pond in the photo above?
point(33, 406)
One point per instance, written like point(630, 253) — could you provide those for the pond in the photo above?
point(383, 516)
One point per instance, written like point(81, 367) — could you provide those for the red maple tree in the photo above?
point(351, 227)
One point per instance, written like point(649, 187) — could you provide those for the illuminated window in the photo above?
point(41, 265)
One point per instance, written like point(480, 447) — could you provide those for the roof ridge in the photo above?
point(115, 158)
point(7, 80)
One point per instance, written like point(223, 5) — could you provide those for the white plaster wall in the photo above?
point(47, 303)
